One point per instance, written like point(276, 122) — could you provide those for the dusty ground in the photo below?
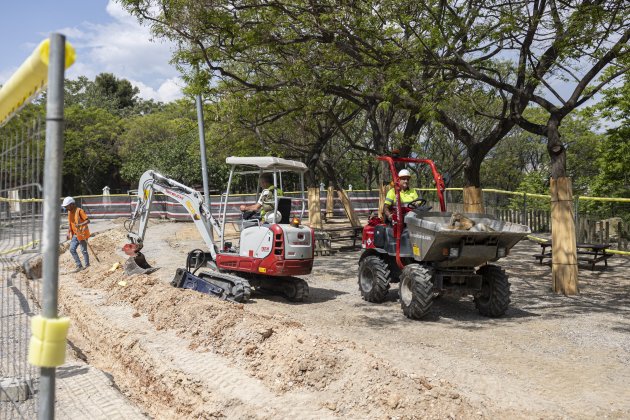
point(180, 353)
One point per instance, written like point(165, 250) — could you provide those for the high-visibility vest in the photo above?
point(269, 202)
point(75, 217)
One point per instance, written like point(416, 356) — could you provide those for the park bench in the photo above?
point(587, 253)
point(345, 233)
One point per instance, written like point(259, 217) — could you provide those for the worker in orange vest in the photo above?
point(78, 232)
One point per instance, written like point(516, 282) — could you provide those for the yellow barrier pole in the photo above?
point(29, 79)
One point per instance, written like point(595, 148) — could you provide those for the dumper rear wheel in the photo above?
point(416, 291)
point(374, 278)
point(494, 297)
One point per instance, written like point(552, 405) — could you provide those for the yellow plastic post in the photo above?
point(47, 347)
point(29, 79)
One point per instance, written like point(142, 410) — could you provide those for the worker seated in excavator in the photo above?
point(263, 209)
point(408, 196)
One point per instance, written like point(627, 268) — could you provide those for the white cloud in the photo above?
point(169, 90)
point(126, 49)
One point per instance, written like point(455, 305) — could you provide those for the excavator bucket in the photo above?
point(136, 263)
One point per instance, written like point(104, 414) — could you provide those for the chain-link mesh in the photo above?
point(20, 266)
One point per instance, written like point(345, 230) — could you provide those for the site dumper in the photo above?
point(435, 253)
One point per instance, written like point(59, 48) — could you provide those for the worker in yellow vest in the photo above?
point(407, 195)
point(78, 231)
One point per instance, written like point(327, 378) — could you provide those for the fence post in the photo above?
point(52, 191)
point(524, 216)
point(202, 147)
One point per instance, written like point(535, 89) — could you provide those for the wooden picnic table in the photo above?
point(589, 253)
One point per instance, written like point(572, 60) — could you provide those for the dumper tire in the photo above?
point(494, 297)
point(374, 278)
point(416, 291)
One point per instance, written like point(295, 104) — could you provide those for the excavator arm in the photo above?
point(212, 282)
point(152, 182)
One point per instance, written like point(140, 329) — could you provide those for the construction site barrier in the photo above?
point(29, 236)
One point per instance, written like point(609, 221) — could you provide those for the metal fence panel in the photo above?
point(20, 268)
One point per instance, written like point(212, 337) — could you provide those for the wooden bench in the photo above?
point(588, 253)
point(351, 232)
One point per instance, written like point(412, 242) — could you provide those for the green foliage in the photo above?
point(613, 153)
point(90, 160)
point(165, 145)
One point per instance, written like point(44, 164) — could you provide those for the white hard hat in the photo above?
point(404, 172)
point(273, 217)
point(67, 201)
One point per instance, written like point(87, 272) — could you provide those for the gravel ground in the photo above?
point(550, 356)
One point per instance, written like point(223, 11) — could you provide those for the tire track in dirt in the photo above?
point(195, 384)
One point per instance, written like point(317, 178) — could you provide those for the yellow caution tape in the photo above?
point(535, 239)
point(20, 248)
point(29, 79)
point(21, 200)
point(48, 341)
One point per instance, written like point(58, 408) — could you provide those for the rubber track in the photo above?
point(243, 291)
point(301, 289)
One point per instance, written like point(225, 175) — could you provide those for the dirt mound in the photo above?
point(347, 379)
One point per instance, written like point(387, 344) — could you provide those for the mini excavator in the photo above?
point(270, 254)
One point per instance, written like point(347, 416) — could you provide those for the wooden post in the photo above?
point(619, 234)
point(347, 205)
point(314, 208)
point(564, 252)
point(382, 193)
point(330, 203)
point(473, 200)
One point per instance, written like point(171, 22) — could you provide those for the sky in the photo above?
point(105, 36)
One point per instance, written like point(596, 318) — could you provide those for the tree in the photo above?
point(573, 42)
point(613, 160)
point(90, 150)
point(168, 144)
point(109, 92)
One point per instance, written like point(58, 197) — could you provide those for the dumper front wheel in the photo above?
point(494, 297)
point(416, 291)
point(374, 278)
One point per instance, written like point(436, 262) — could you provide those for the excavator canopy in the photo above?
point(267, 163)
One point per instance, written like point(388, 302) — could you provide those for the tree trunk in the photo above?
point(410, 135)
point(473, 196)
point(313, 158)
point(473, 200)
point(564, 271)
point(556, 149)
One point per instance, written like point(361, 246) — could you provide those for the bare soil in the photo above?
point(181, 353)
